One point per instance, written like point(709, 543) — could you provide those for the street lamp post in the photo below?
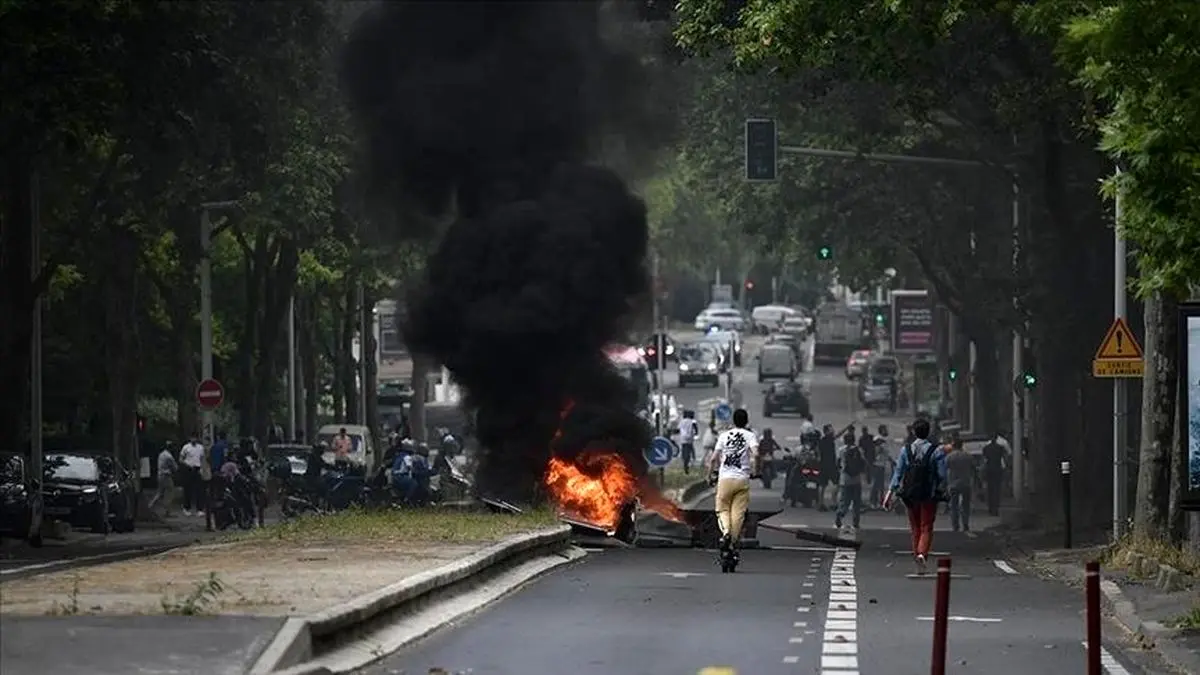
point(206, 365)
point(1018, 419)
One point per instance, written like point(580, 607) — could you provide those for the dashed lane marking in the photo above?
point(1003, 566)
point(839, 649)
point(791, 659)
point(1109, 662)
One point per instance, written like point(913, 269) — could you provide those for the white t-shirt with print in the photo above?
point(736, 448)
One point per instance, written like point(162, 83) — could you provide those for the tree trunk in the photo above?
point(255, 266)
point(121, 348)
point(1159, 394)
point(16, 272)
point(307, 348)
point(186, 414)
point(349, 365)
point(990, 388)
point(278, 282)
point(370, 386)
point(337, 354)
point(420, 374)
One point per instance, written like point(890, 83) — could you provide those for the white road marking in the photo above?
point(1110, 664)
point(791, 659)
point(799, 624)
point(682, 575)
point(1003, 566)
point(839, 649)
point(803, 609)
point(963, 619)
point(795, 640)
point(806, 596)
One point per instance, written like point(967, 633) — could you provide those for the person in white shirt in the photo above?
point(689, 429)
point(166, 481)
point(735, 460)
point(191, 459)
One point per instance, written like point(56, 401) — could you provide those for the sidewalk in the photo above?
point(1136, 599)
point(213, 607)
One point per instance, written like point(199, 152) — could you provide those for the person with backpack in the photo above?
point(920, 483)
point(852, 467)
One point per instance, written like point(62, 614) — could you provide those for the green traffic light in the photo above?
point(825, 253)
point(1030, 379)
point(953, 374)
point(878, 318)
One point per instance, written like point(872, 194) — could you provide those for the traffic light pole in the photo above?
point(1120, 393)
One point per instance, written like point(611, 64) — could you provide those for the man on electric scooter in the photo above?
point(734, 461)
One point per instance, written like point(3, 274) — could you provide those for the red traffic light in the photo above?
point(749, 285)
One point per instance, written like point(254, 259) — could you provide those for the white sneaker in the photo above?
point(186, 512)
point(920, 564)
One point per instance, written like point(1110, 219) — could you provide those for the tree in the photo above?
point(1135, 57)
point(968, 78)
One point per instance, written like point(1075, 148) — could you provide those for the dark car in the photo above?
point(21, 506)
point(700, 362)
point(785, 397)
point(653, 345)
point(90, 490)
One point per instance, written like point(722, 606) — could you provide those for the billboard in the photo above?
point(1189, 391)
point(912, 322)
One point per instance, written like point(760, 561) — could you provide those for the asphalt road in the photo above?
point(18, 559)
point(795, 609)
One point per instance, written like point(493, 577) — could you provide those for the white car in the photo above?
point(725, 319)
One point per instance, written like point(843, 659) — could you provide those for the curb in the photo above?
point(301, 638)
point(1126, 614)
point(38, 569)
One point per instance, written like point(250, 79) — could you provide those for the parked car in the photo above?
point(21, 505)
point(90, 490)
point(785, 397)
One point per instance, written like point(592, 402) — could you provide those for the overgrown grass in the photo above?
point(1121, 554)
point(412, 525)
point(1190, 621)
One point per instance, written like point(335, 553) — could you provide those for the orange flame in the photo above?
point(599, 484)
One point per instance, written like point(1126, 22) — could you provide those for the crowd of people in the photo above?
point(919, 474)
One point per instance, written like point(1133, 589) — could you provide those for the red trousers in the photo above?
point(920, 526)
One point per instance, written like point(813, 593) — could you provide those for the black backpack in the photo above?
point(917, 483)
point(853, 462)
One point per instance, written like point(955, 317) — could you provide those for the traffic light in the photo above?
point(952, 373)
point(825, 252)
point(749, 285)
point(879, 318)
point(1030, 379)
point(762, 150)
point(141, 424)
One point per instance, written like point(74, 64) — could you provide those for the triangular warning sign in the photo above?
point(1119, 343)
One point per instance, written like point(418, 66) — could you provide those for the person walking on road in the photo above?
point(919, 481)
point(735, 461)
point(995, 459)
point(852, 469)
point(960, 471)
point(191, 457)
point(689, 429)
point(165, 493)
point(828, 468)
point(879, 467)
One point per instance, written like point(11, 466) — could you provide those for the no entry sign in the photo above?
point(209, 394)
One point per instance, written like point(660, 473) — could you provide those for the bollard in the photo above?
point(941, 613)
point(1092, 598)
point(1065, 468)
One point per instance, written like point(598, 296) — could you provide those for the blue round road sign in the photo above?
point(660, 452)
point(724, 412)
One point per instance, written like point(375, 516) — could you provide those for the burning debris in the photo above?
point(490, 112)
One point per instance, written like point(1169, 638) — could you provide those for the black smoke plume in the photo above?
point(490, 111)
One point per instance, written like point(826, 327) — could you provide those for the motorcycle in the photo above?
point(803, 480)
point(237, 503)
point(767, 472)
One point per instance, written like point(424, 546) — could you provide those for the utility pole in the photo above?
point(291, 368)
point(362, 354)
point(206, 337)
point(35, 346)
point(658, 350)
point(1120, 393)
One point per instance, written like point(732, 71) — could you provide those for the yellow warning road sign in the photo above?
point(1119, 354)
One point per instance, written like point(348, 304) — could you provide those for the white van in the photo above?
point(777, 362)
point(362, 450)
point(767, 318)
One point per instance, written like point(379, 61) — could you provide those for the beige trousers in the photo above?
point(733, 498)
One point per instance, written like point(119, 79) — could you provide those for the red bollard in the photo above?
point(1092, 596)
point(941, 614)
